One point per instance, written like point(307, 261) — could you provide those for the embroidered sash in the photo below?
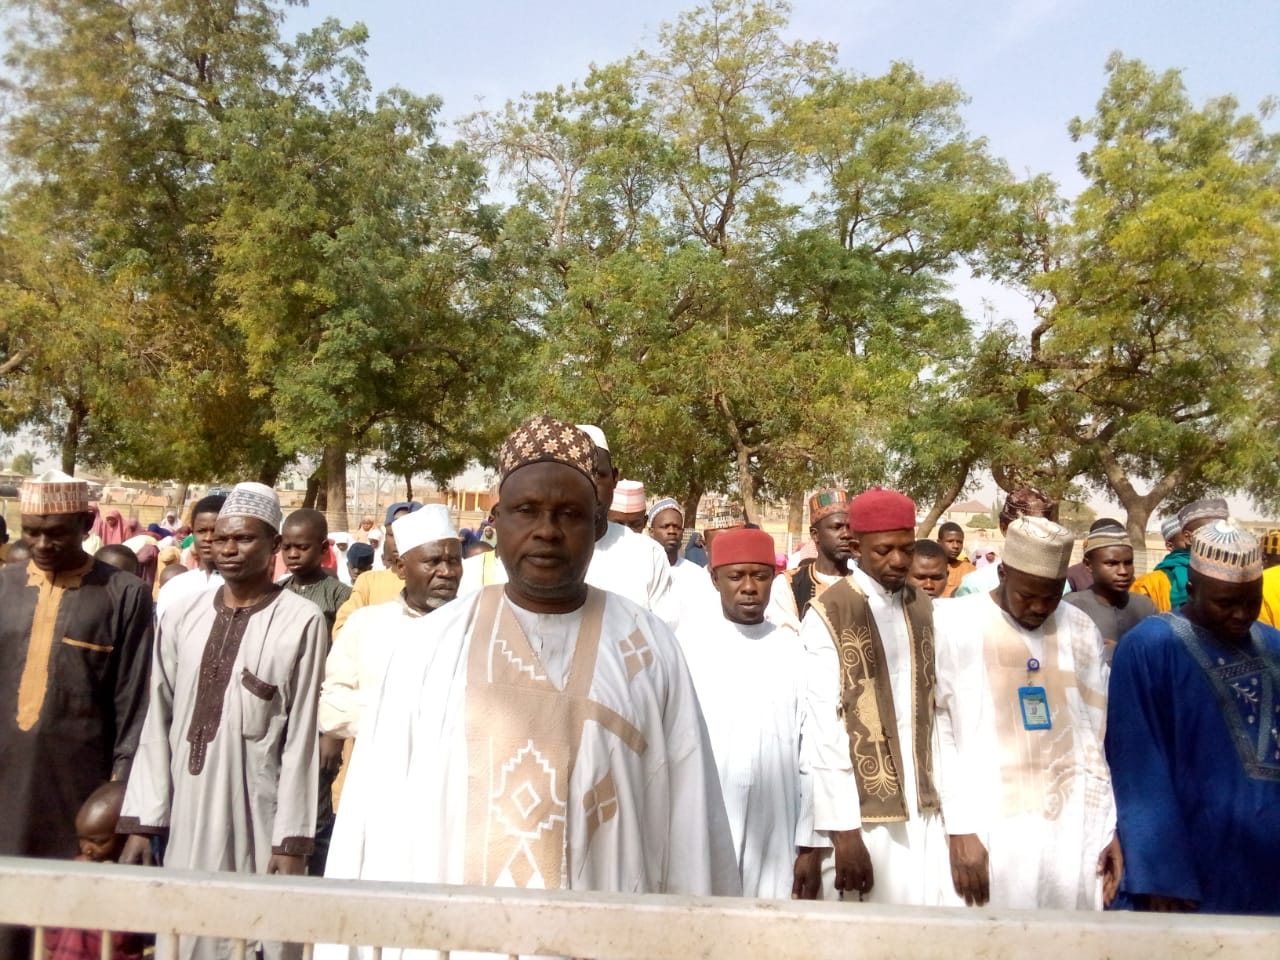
point(870, 714)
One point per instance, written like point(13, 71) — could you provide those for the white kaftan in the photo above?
point(1039, 800)
point(782, 599)
point(184, 585)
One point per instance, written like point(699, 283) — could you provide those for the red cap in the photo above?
point(742, 545)
point(879, 509)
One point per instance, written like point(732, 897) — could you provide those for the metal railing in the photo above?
point(43, 893)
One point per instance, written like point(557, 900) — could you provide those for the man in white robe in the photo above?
point(205, 575)
point(227, 767)
point(869, 651)
point(747, 672)
point(540, 733)
point(691, 587)
point(1022, 698)
point(795, 588)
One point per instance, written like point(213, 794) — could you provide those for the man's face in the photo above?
point(1112, 568)
point(303, 548)
point(244, 549)
point(546, 524)
point(391, 555)
point(366, 523)
point(56, 539)
point(432, 572)
point(886, 556)
point(634, 521)
point(667, 528)
point(832, 537)
point(202, 527)
point(606, 478)
point(744, 590)
point(952, 544)
point(1227, 610)
point(1177, 542)
point(1029, 600)
point(928, 574)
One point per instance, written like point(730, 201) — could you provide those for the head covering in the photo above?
point(596, 435)
point(628, 497)
point(341, 538)
point(1027, 502)
point(724, 521)
point(1270, 543)
point(1223, 551)
point(360, 556)
point(879, 509)
point(430, 523)
point(1038, 547)
point(666, 503)
point(1213, 509)
point(254, 500)
point(545, 439)
point(411, 505)
point(1106, 535)
point(1171, 527)
point(54, 492)
point(826, 502)
point(743, 545)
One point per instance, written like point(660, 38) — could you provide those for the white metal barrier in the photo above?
point(43, 893)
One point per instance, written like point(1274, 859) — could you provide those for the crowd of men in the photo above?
point(586, 707)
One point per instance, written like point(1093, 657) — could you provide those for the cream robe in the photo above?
point(641, 810)
point(748, 679)
point(782, 601)
point(1040, 800)
point(910, 858)
point(357, 663)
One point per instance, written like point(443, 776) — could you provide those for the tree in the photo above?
point(24, 463)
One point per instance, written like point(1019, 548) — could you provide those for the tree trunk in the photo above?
point(179, 500)
point(334, 464)
point(408, 486)
point(269, 471)
point(313, 489)
point(1138, 507)
point(795, 520)
point(70, 446)
point(692, 497)
point(746, 484)
point(943, 501)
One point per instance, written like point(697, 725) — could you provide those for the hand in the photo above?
point(287, 865)
point(807, 874)
point(1158, 903)
point(854, 873)
point(1110, 867)
point(330, 754)
point(970, 871)
point(137, 850)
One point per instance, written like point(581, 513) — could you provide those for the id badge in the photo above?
point(1035, 708)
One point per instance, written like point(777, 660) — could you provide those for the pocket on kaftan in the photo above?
point(257, 704)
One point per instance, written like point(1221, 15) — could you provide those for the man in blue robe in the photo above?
point(1193, 741)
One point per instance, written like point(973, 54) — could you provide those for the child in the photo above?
point(929, 568)
point(99, 843)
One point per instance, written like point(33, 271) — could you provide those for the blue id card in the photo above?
point(1035, 708)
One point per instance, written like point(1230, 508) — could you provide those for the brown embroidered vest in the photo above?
point(870, 715)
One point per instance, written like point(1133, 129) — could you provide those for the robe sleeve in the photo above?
point(806, 834)
point(341, 700)
point(359, 598)
point(295, 825)
point(962, 804)
point(133, 670)
point(836, 803)
point(1153, 834)
point(149, 793)
point(782, 604)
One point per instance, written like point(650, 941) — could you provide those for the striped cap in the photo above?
point(1223, 551)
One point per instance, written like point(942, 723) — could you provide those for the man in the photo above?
point(747, 673)
point(540, 733)
point(929, 568)
point(1114, 610)
point(1022, 692)
point(359, 562)
point(868, 718)
point(1022, 503)
point(1171, 530)
point(951, 539)
point(690, 584)
point(303, 543)
point(1079, 576)
point(1166, 585)
point(75, 647)
point(205, 576)
point(627, 506)
point(1270, 614)
point(227, 767)
point(1193, 744)
point(380, 585)
point(795, 589)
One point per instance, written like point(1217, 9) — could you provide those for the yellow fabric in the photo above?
point(371, 587)
point(1271, 596)
point(1154, 585)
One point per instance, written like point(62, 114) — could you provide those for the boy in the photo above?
point(929, 568)
point(951, 539)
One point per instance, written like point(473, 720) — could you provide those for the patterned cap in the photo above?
point(628, 497)
point(1038, 547)
point(54, 492)
point(254, 500)
point(545, 439)
point(1222, 551)
point(1106, 535)
point(1215, 509)
point(1270, 543)
point(826, 502)
point(666, 503)
point(1027, 502)
point(1171, 527)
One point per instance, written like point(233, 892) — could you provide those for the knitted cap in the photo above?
point(254, 500)
point(1222, 551)
point(1038, 547)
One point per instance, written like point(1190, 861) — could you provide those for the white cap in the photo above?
point(342, 538)
point(431, 523)
point(1038, 547)
point(595, 433)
